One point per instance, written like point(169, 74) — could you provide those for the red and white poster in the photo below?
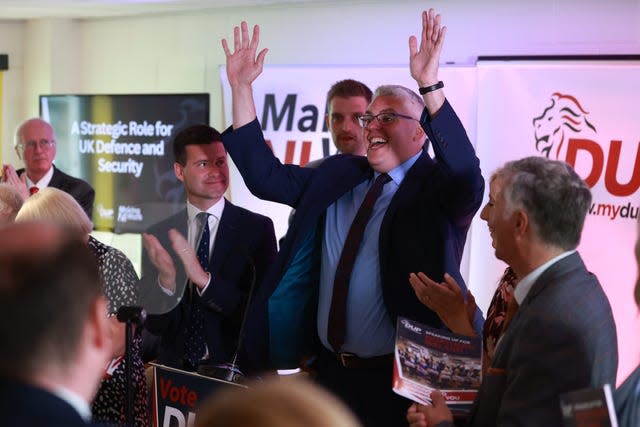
point(583, 113)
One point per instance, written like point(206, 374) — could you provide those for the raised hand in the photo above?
point(447, 301)
point(243, 66)
point(424, 62)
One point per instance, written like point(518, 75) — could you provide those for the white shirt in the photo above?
point(43, 182)
point(524, 286)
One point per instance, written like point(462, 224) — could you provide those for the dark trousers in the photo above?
point(366, 391)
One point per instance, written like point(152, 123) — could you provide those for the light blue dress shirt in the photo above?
point(369, 329)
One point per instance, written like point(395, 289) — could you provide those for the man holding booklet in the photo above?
point(561, 335)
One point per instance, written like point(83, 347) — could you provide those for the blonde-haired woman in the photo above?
point(120, 286)
point(275, 402)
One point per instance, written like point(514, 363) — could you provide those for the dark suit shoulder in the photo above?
point(567, 282)
point(70, 184)
point(344, 170)
point(18, 407)
point(245, 214)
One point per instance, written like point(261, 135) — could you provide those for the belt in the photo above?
point(353, 361)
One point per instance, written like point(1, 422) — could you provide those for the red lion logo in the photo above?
point(565, 112)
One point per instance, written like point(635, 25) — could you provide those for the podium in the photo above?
point(176, 394)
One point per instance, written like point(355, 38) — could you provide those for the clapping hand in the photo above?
point(447, 301)
point(10, 176)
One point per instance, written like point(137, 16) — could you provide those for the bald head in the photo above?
point(29, 125)
point(35, 144)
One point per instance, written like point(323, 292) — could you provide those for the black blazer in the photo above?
point(23, 405)
point(243, 238)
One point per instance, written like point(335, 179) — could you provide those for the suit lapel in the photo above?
point(227, 233)
point(56, 179)
point(548, 278)
point(415, 177)
point(565, 266)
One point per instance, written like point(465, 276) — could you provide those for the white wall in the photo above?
point(181, 52)
point(12, 38)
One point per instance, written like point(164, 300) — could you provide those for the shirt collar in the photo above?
point(44, 181)
point(215, 210)
point(398, 173)
point(525, 285)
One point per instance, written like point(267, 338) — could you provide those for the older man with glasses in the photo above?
point(362, 225)
point(35, 144)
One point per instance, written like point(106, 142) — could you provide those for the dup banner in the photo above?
point(581, 112)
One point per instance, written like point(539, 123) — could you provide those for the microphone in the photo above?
point(230, 371)
point(131, 316)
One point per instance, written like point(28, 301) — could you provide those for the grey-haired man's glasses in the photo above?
point(43, 144)
point(382, 118)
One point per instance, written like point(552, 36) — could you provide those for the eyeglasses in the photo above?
point(43, 144)
point(382, 118)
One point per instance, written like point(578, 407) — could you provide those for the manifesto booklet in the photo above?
point(589, 407)
point(428, 359)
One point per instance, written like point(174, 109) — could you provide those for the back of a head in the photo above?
point(55, 206)
point(555, 198)
point(48, 283)
point(275, 402)
point(193, 135)
point(10, 203)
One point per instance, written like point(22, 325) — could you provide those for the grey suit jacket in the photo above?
point(562, 338)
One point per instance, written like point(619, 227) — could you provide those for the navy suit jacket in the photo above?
point(424, 228)
point(243, 239)
point(79, 189)
point(23, 405)
point(562, 338)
